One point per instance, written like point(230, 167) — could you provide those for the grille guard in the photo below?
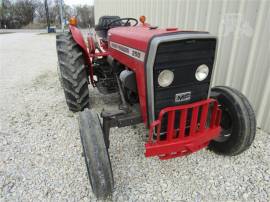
point(180, 142)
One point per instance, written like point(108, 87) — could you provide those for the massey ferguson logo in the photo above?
point(181, 97)
point(139, 55)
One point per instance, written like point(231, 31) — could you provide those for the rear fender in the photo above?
point(78, 38)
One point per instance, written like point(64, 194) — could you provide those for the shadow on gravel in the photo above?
point(4, 133)
point(7, 32)
point(46, 33)
point(43, 79)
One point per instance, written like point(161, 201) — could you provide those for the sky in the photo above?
point(76, 2)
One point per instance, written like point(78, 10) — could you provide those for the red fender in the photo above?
point(90, 53)
point(78, 38)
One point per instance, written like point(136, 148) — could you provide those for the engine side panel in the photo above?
point(138, 67)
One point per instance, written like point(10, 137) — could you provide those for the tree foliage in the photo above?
point(19, 13)
point(85, 15)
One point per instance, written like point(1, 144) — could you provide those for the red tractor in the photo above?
point(163, 79)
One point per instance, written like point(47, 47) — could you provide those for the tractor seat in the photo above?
point(102, 27)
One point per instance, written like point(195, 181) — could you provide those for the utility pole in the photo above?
point(61, 15)
point(47, 14)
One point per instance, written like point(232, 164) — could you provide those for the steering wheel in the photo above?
point(123, 22)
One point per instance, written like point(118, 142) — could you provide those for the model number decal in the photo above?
point(139, 55)
point(180, 97)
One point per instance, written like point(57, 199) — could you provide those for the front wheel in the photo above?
point(96, 154)
point(238, 122)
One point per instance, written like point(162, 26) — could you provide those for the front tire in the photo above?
point(72, 72)
point(96, 154)
point(238, 122)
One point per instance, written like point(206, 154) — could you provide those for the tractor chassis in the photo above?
point(119, 119)
point(126, 115)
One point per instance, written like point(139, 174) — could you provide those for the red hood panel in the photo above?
point(137, 37)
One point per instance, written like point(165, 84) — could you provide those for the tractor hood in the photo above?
point(137, 37)
point(135, 41)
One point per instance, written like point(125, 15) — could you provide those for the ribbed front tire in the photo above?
point(238, 122)
point(96, 155)
point(72, 72)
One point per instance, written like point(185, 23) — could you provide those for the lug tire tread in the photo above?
point(73, 75)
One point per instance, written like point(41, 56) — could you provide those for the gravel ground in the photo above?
point(40, 149)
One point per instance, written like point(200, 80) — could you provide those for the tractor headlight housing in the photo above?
point(202, 72)
point(165, 78)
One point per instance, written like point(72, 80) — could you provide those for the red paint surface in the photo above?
point(179, 141)
point(78, 38)
point(137, 37)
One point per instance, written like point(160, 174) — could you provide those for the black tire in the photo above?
point(238, 122)
point(72, 72)
point(96, 154)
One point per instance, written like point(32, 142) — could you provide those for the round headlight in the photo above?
point(202, 72)
point(165, 78)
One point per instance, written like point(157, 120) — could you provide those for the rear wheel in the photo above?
point(96, 154)
point(72, 72)
point(238, 122)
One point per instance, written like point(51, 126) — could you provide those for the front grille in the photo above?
point(182, 57)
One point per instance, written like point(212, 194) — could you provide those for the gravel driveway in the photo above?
point(40, 149)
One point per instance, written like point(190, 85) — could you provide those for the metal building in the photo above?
point(243, 30)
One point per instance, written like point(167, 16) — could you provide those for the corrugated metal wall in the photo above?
point(243, 29)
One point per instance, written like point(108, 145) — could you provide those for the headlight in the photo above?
point(202, 72)
point(165, 78)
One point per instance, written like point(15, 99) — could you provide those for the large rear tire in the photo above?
point(72, 72)
point(238, 122)
point(96, 154)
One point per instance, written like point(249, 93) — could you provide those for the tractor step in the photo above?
point(198, 123)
